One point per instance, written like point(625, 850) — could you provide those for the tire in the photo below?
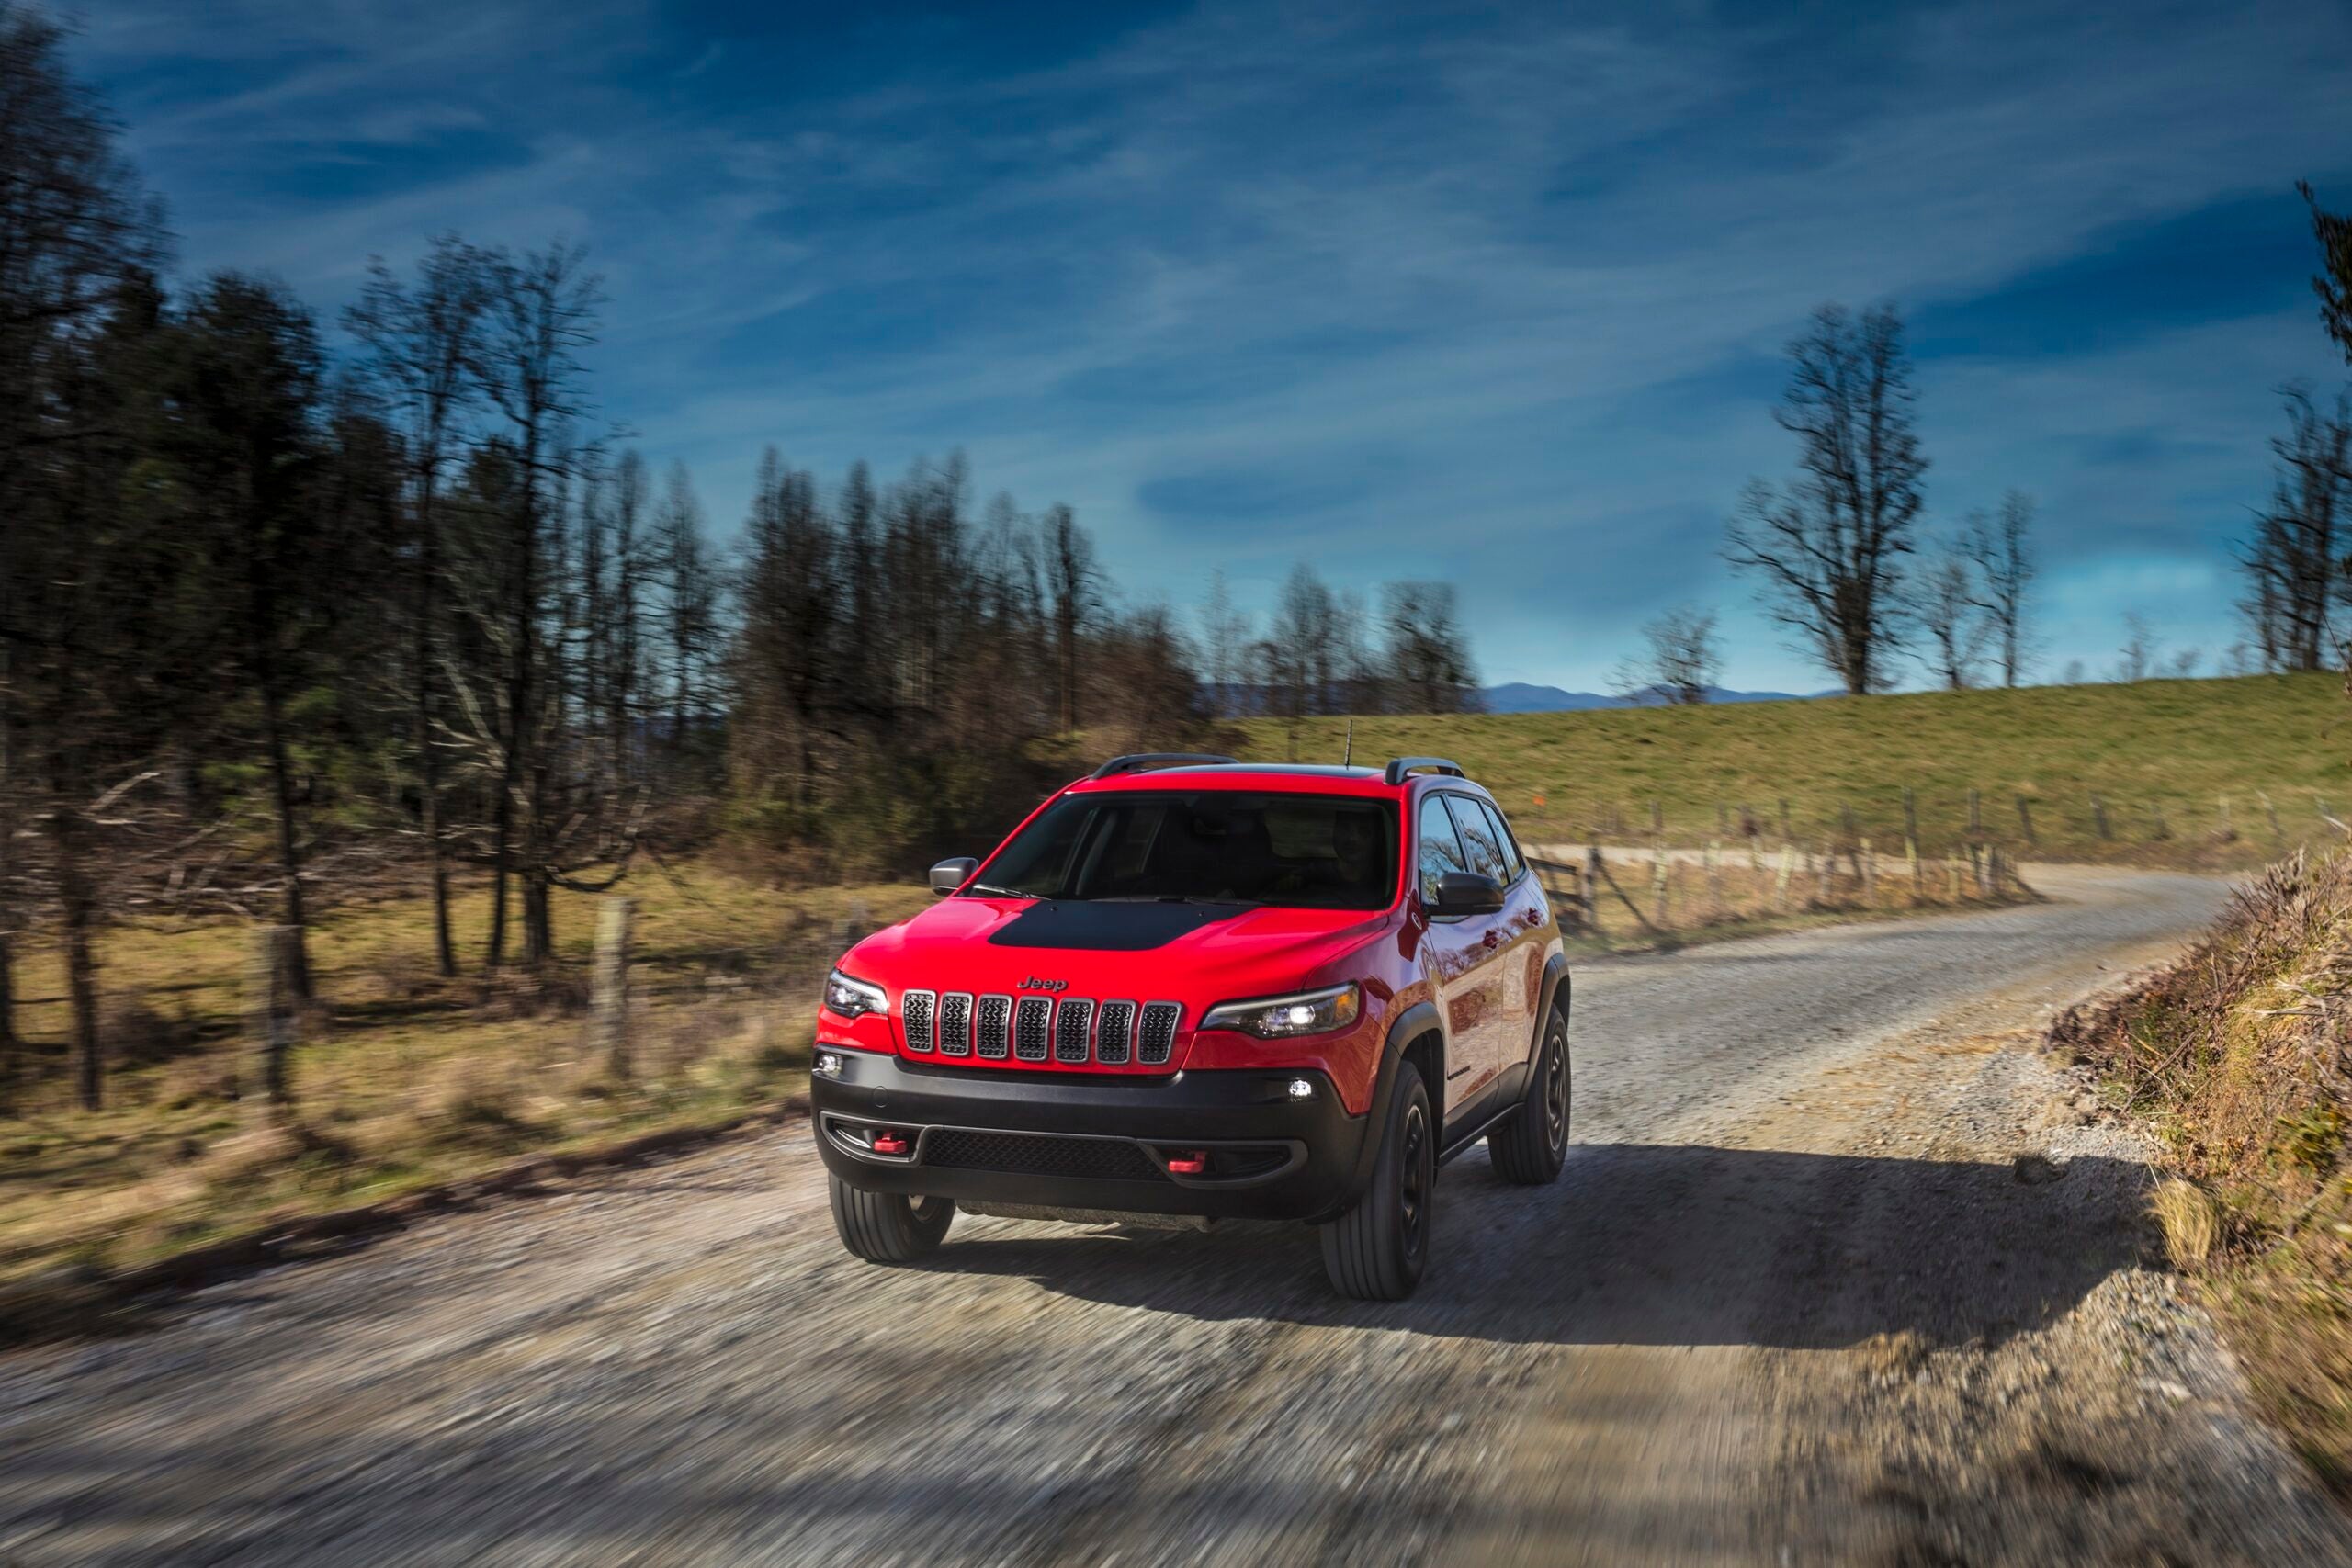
point(1377, 1250)
point(888, 1227)
point(1529, 1148)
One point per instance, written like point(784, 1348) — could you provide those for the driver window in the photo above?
point(1478, 838)
point(1441, 850)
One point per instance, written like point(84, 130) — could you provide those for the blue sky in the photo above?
point(1492, 293)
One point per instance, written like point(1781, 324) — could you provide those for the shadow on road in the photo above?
point(1655, 1245)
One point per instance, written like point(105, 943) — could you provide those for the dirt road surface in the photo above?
point(1838, 1272)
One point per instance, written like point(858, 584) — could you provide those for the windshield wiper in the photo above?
point(999, 891)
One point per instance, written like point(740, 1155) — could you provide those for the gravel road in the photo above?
point(1793, 1300)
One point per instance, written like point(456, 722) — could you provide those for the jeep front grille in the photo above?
point(955, 1025)
point(1116, 1035)
point(1159, 1035)
point(1073, 1029)
point(1036, 1030)
point(919, 1011)
point(996, 1027)
point(1030, 1032)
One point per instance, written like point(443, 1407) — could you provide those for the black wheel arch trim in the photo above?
point(1421, 1018)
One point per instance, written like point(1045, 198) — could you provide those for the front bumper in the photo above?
point(1087, 1141)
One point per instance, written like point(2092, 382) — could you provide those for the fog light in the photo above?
point(830, 1063)
point(1302, 1089)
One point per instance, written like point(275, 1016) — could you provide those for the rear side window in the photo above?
point(1441, 850)
point(1480, 838)
point(1511, 861)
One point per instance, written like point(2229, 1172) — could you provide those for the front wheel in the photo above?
point(888, 1227)
point(1529, 1148)
point(1376, 1251)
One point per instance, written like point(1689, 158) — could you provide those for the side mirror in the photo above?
point(1467, 893)
point(950, 874)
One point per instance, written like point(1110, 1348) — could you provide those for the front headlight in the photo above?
point(846, 997)
point(1286, 1018)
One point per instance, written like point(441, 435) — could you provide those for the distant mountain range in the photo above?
point(1518, 696)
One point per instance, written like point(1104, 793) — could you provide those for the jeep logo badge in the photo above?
point(1033, 984)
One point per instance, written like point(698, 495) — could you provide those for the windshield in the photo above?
point(1307, 851)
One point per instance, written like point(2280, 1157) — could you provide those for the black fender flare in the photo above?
point(1558, 987)
point(1421, 1018)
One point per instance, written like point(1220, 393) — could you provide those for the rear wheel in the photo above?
point(888, 1227)
point(1530, 1148)
point(1377, 1250)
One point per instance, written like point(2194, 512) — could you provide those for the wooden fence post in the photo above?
point(1592, 888)
point(272, 1023)
point(1951, 875)
point(2224, 832)
point(1870, 876)
point(1975, 815)
point(1781, 883)
point(1715, 876)
point(1659, 886)
point(1786, 831)
point(2099, 817)
point(2278, 835)
point(1821, 876)
point(2162, 831)
point(608, 994)
point(2025, 819)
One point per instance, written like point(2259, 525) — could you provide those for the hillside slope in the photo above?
point(2160, 755)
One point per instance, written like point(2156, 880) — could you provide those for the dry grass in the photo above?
point(2191, 1221)
point(2238, 1055)
point(402, 1079)
point(2161, 755)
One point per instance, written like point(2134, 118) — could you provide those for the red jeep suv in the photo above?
point(1190, 987)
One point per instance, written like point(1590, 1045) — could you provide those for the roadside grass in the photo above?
point(2240, 1055)
point(2162, 755)
point(403, 1079)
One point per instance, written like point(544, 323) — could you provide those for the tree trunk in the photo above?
point(76, 908)
point(428, 764)
point(518, 694)
point(289, 853)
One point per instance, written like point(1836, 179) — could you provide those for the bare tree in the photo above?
point(2333, 282)
point(2295, 566)
point(1225, 647)
point(422, 340)
point(2182, 666)
point(1428, 653)
point(1678, 663)
point(1069, 581)
point(1828, 546)
point(2005, 572)
point(542, 314)
point(1955, 633)
point(2136, 660)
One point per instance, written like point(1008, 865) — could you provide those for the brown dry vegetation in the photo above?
point(2237, 1054)
point(403, 1079)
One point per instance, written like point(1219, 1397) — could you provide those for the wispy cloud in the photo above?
point(1496, 297)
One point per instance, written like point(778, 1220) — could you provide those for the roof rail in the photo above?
point(1400, 766)
point(1144, 761)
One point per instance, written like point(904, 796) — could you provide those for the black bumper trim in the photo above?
point(1234, 1109)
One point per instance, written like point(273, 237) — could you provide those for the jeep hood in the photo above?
point(1195, 953)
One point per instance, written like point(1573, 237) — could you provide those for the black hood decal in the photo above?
point(1083, 925)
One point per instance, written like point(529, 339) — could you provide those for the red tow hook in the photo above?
point(888, 1143)
point(1192, 1162)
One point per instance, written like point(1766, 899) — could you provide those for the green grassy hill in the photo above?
point(2163, 756)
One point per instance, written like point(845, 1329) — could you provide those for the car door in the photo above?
point(1462, 949)
point(1527, 923)
point(1483, 842)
